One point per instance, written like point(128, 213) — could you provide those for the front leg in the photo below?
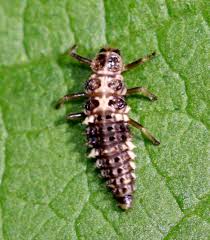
point(139, 61)
point(72, 52)
point(69, 97)
point(144, 91)
point(144, 131)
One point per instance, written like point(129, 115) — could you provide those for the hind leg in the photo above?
point(139, 61)
point(69, 97)
point(144, 131)
point(142, 90)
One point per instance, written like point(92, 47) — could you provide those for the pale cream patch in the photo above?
point(124, 147)
point(111, 149)
point(103, 104)
point(133, 175)
point(121, 117)
point(93, 153)
point(89, 119)
point(124, 91)
point(104, 89)
point(127, 109)
point(132, 155)
point(111, 186)
point(130, 145)
point(127, 181)
point(99, 163)
point(133, 165)
point(124, 206)
point(106, 72)
point(115, 172)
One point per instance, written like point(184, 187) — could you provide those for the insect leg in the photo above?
point(142, 90)
point(69, 97)
point(72, 52)
point(75, 116)
point(144, 131)
point(139, 62)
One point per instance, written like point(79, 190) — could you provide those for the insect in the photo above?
point(106, 117)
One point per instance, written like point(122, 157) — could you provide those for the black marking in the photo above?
point(113, 63)
point(91, 104)
point(115, 84)
point(117, 102)
point(92, 84)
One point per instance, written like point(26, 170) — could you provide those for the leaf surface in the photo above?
point(49, 188)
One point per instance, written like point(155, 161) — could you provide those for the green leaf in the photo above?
point(49, 188)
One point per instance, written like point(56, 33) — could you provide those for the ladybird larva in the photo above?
point(106, 117)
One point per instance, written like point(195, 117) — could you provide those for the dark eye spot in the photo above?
point(93, 84)
point(116, 159)
point(119, 170)
point(116, 85)
point(109, 128)
point(117, 103)
point(91, 104)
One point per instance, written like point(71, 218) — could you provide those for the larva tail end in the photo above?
point(125, 202)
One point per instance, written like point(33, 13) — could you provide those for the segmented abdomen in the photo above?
point(109, 136)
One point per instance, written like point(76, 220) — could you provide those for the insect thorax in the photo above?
point(106, 94)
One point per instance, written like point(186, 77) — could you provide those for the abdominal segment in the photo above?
point(109, 137)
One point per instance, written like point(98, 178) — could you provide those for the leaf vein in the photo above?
point(163, 177)
point(24, 29)
point(108, 221)
point(184, 82)
point(5, 134)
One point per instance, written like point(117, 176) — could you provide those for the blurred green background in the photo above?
point(49, 189)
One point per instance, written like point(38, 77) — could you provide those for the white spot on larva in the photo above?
point(94, 152)
point(126, 181)
point(133, 175)
point(103, 103)
point(125, 118)
point(99, 163)
point(132, 154)
point(133, 165)
point(121, 117)
point(130, 145)
point(124, 91)
point(127, 109)
point(124, 147)
point(118, 117)
point(114, 172)
point(89, 119)
point(111, 186)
